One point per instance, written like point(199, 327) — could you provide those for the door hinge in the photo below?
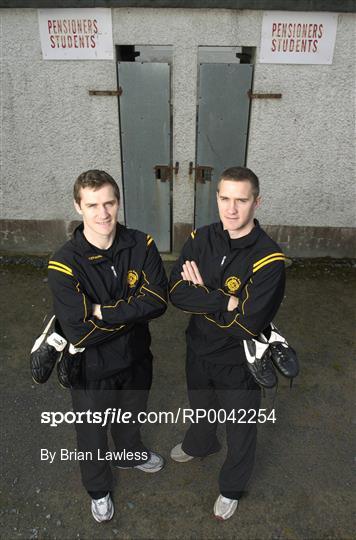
point(251, 95)
point(117, 92)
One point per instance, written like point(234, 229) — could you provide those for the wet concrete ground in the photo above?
point(302, 486)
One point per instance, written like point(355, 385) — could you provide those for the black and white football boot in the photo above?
point(46, 351)
point(69, 366)
point(283, 355)
point(259, 363)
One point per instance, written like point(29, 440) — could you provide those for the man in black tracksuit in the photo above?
point(107, 283)
point(231, 277)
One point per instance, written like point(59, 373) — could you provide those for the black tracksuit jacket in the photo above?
point(251, 268)
point(131, 288)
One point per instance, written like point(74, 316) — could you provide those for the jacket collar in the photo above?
point(243, 242)
point(123, 240)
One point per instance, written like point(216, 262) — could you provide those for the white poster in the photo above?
point(291, 37)
point(76, 34)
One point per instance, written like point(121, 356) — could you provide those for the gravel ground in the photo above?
point(302, 486)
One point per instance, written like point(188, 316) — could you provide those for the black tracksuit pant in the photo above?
point(227, 387)
point(127, 389)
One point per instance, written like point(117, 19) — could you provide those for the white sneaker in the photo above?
point(224, 507)
point(102, 509)
point(154, 464)
point(178, 454)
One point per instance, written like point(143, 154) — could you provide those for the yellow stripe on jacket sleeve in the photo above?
point(193, 233)
point(154, 293)
point(149, 240)
point(277, 254)
point(246, 298)
point(175, 285)
point(95, 327)
point(61, 265)
point(234, 321)
point(280, 258)
point(51, 267)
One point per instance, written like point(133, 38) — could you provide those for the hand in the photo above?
point(233, 303)
point(97, 311)
point(191, 273)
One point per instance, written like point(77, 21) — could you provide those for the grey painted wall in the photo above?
point(52, 128)
point(301, 146)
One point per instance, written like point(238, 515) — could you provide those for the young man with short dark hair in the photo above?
point(107, 283)
point(231, 277)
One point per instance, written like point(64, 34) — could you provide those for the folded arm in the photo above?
point(73, 309)
point(258, 305)
point(85, 323)
point(149, 300)
point(186, 288)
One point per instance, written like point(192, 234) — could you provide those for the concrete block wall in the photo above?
point(301, 146)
